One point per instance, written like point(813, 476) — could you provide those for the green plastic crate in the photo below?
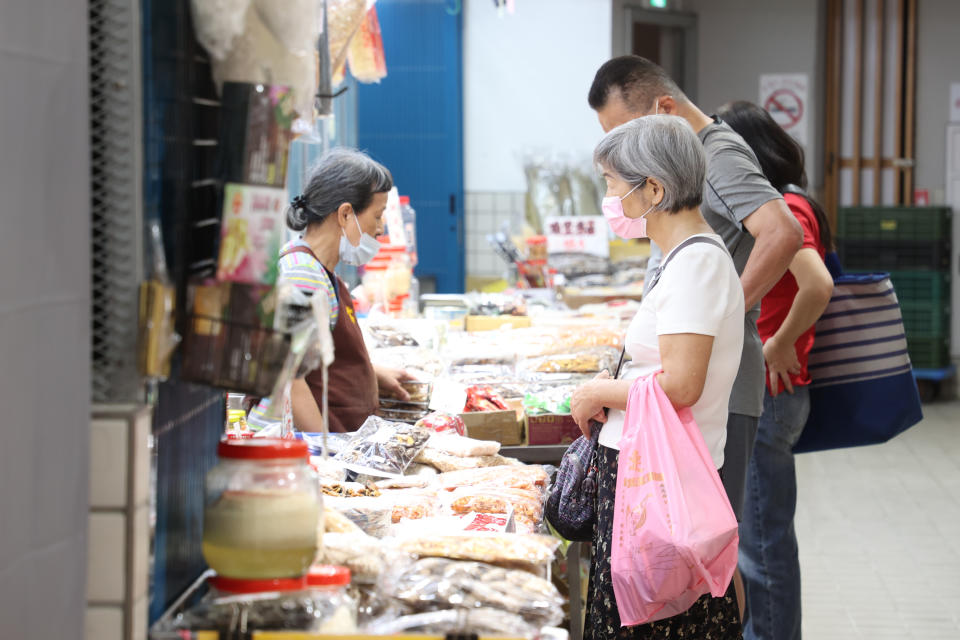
point(910, 224)
point(929, 353)
point(924, 301)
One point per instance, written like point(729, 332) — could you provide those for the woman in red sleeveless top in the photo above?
point(339, 216)
point(769, 561)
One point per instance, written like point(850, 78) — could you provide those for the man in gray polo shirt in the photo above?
point(741, 206)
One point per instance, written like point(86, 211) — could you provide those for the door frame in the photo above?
point(630, 12)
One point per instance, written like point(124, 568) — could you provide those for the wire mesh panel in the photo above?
point(116, 170)
point(181, 194)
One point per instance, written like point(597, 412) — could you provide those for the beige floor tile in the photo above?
point(879, 533)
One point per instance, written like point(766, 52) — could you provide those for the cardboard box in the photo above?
point(491, 323)
point(501, 426)
point(552, 428)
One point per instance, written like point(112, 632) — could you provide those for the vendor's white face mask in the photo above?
point(362, 253)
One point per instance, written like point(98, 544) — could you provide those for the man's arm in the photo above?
point(777, 238)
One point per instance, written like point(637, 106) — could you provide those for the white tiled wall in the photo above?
point(119, 523)
point(485, 212)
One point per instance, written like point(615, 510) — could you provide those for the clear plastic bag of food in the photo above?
point(445, 462)
point(373, 515)
point(440, 583)
point(483, 398)
point(387, 335)
point(330, 471)
point(335, 522)
point(525, 503)
point(362, 554)
point(383, 448)
point(592, 360)
point(542, 399)
point(440, 422)
point(412, 504)
point(424, 364)
point(533, 477)
point(453, 525)
point(486, 622)
point(478, 349)
point(349, 490)
point(458, 445)
point(527, 552)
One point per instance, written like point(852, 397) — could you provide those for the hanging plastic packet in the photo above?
point(157, 338)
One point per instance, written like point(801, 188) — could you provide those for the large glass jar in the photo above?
point(262, 509)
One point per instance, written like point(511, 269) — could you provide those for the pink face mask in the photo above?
point(626, 228)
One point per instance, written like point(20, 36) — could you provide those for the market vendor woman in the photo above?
point(339, 215)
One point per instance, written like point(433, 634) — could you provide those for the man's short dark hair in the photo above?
point(639, 81)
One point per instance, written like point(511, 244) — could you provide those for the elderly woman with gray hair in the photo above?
point(689, 328)
point(339, 215)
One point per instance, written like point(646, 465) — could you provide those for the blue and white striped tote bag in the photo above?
point(862, 390)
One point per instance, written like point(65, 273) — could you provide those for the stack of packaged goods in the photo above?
point(423, 530)
point(420, 521)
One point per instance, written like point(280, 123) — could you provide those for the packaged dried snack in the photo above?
point(443, 422)
point(523, 502)
point(457, 622)
point(424, 364)
point(385, 335)
point(417, 390)
point(542, 399)
point(447, 462)
point(481, 398)
point(528, 552)
point(362, 554)
point(412, 505)
point(383, 448)
point(526, 524)
point(462, 446)
point(439, 583)
point(590, 360)
point(348, 490)
point(373, 515)
point(455, 525)
point(335, 522)
point(330, 471)
point(532, 477)
point(421, 481)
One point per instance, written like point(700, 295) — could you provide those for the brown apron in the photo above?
point(353, 383)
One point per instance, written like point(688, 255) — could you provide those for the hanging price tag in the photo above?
point(577, 234)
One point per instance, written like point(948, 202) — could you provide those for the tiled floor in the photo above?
point(879, 533)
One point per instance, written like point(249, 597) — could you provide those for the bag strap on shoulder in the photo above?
point(686, 243)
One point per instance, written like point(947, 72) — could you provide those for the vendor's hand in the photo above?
point(585, 405)
point(388, 381)
point(781, 361)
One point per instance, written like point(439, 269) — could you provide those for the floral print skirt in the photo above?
point(708, 619)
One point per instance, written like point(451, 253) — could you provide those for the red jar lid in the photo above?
point(404, 199)
point(534, 240)
point(263, 449)
point(239, 585)
point(328, 575)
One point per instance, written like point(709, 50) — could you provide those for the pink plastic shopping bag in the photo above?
point(674, 532)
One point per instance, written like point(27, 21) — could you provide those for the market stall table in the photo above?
point(552, 454)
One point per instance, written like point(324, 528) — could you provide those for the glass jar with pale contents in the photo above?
point(262, 508)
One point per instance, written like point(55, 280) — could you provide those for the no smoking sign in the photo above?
point(784, 96)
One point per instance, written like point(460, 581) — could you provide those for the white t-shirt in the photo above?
point(698, 292)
